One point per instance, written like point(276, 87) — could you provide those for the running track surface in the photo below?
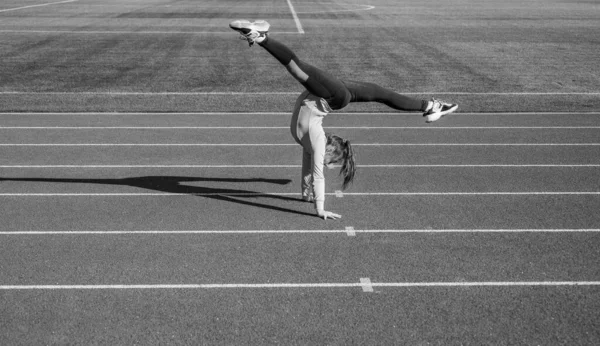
point(500, 215)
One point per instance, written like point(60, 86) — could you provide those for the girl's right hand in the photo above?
point(327, 214)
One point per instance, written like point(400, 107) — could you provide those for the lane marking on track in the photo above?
point(266, 194)
point(277, 144)
point(30, 6)
point(122, 32)
point(271, 113)
point(242, 93)
point(365, 284)
point(350, 231)
point(287, 127)
point(298, 166)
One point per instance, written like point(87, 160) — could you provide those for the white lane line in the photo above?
point(146, 144)
point(593, 93)
point(475, 144)
point(468, 193)
point(20, 114)
point(364, 284)
point(364, 8)
point(121, 32)
point(143, 93)
point(287, 127)
point(278, 144)
point(298, 166)
point(296, 19)
point(350, 231)
point(482, 166)
point(46, 4)
point(241, 194)
point(150, 166)
point(180, 93)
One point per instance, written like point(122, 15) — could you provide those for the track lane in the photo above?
point(273, 136)
point(278, 180)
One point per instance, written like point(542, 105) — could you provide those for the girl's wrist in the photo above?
point(320, 205)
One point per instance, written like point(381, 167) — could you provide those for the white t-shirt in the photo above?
point(307, 129)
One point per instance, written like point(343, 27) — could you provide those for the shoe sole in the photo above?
point(245, 30)
point(240, 28)
point(442, 114)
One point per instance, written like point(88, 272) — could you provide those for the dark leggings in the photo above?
point(339, 93)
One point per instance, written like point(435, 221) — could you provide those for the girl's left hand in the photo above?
point(327, 214)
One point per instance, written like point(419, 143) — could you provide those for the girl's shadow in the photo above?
point(172, 184)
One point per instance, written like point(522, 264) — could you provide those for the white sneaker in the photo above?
point(438, 110)
point(251, 31)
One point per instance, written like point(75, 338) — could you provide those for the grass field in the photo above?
point(149, 187)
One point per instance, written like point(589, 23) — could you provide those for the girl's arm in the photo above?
point(306, 184)
point(318, 141)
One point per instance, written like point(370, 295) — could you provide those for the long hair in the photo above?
point(344, 154)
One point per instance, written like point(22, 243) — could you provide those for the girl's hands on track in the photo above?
point(327, 214)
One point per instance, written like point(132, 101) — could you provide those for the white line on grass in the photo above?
point(365, 8)
point(298, 166)
point(250, 194)
point(360, 284)
point(296, 19)
point(30, 6)
point(276, 144)
point(347, 231)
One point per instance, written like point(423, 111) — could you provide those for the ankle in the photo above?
point(261, 40)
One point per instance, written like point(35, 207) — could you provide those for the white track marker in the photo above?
point(167, 194)
point(175, 93)
point(21, 114)
point(298, 166)
point(350, 231)
point(488, 284)
point(514, 93)
point(120, 32)
point(47, 4)
point(151, 166)
point(296, 19)
point(287, 128)
point(142, 93)
point(280, 144)
point(365, 284)
point(177, 286)
point(339, 194)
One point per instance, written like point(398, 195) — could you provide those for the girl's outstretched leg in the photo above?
point(316, 81)
point(369, 92)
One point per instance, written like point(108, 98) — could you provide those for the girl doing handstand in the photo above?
point(325, 93)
